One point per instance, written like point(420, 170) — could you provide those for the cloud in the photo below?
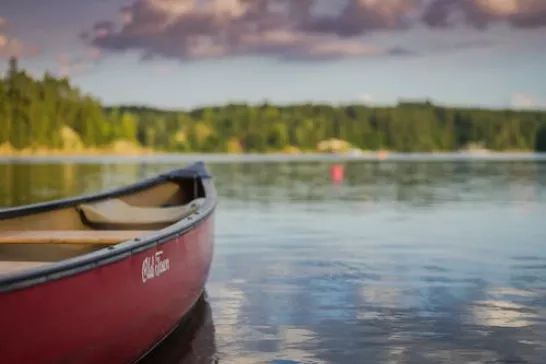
point(366, 98)
point(79, 64)
point(10, 46)
point(361, 16)
point(524, 101)
point(292, 29)
point(480, 13)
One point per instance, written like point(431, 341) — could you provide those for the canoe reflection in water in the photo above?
point(192, 342)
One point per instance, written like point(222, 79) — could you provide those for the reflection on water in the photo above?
point(192, 342)
point(402, 262)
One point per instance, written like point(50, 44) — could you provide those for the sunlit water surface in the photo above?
point(403, 262)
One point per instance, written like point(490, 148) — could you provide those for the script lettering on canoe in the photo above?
point(154, 266)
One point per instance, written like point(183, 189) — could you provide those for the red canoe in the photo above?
point(104, 278)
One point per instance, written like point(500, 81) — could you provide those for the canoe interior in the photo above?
point(41, 238)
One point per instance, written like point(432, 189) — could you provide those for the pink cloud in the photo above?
point(294, 29)
point(10, 46)
point(75, 65)
point(525, 101)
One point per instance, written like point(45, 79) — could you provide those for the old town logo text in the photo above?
point(154, 266)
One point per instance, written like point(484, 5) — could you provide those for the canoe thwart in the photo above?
point(68, 236)
point(118, 212)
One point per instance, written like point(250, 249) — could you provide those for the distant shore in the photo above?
point(124, 149)
point(118, 148)
point(135, 152)
point(75, 123)
point(90, 156)
point(91, 152)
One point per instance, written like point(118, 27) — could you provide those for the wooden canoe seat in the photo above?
point(118, 212)
point(98, 237)
point(7, 267)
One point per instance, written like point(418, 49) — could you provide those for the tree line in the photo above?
point(36, 113)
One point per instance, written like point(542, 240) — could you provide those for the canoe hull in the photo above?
point(110, 314)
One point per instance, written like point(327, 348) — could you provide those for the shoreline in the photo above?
point(173, 157)
point(43, 152)
point(137, 151)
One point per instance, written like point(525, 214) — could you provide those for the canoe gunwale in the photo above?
point(123, 250)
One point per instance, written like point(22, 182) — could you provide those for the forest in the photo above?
point(51, 113)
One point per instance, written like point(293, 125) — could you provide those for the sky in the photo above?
point(188, 53)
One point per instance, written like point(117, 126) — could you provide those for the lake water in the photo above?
point(403, 262)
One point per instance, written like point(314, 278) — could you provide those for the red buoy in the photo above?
point(336, 172)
